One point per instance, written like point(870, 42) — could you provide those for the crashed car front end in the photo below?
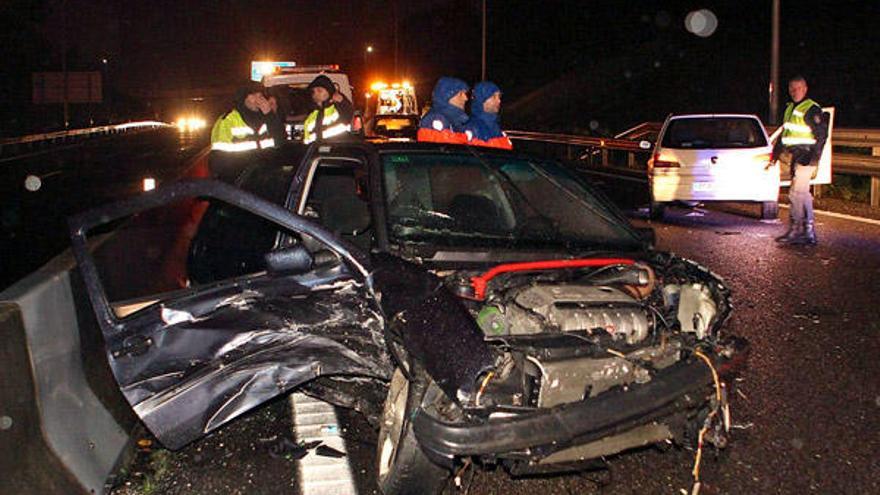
point(592, 357)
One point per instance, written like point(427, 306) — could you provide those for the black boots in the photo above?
point(807, 237)
point(791, 234)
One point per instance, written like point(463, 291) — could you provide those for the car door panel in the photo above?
point(192, 360)
point(252, 347)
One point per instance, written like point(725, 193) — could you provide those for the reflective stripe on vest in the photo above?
point(231, 134)
point(795, 130)
point(331, 115)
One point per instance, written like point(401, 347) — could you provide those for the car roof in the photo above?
point(713, 116)
point(305, 78)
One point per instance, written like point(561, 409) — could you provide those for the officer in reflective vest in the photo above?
point(333, 114)
point(239, 133)
point(804, 131)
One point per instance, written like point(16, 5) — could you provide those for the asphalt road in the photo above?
point(74, 177)
point(807, 420)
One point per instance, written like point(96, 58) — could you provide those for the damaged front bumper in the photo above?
point(681, 387)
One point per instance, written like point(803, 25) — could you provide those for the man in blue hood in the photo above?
point(445, 122)
point(483, 129)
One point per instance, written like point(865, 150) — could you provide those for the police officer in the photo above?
point(804, 131)
point(333, 114)
point(239, 133)
point(446, 120)
point(483, 128)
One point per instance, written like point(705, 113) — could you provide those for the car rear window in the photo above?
point(714, 133)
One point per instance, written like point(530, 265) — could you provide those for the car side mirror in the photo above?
point(292, 260)
point(649, 237)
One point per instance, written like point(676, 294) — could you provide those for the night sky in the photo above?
point(590, 66)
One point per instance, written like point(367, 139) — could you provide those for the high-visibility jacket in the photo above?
point(231, 133)
point(795, 130)
point(331, 124)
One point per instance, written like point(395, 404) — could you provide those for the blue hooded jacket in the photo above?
point(450, 118)
point(483, 125)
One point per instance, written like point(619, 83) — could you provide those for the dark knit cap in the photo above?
point(323, 81)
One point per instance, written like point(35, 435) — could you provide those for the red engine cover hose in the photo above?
point(480, 282)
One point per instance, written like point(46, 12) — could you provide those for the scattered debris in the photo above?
point(326, 451)
point(288, 449)
point(742, 426)
point(728, 232)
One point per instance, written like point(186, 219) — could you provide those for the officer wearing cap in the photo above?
point(332, 115)
point(239, 133)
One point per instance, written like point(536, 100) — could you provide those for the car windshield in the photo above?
point(468, 200)
point(714, 133)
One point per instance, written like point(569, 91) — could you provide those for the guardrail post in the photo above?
point(604, 157)
point(875, 182)
point(631, 160)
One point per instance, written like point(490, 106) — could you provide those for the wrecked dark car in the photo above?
point(478, 306)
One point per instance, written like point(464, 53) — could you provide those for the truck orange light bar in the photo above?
point(480, 282)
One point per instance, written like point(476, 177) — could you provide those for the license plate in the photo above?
point(702, 186)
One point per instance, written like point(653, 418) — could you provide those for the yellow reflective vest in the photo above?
point(795, 130)
point(231, 133)
point(330, 125)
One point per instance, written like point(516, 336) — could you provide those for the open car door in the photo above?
point(191, 359)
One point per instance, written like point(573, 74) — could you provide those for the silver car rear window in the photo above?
point(714, 133)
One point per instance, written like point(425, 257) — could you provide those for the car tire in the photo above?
point(769, 210)
point(401, 466)
point(656, 210)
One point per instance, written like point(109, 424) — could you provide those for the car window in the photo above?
point(713, 133)
point(337, 198)
point(467, 200)
point(181, 246)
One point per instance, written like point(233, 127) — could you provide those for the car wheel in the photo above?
point(769, 210)
point(656, 210)
point(401, 466)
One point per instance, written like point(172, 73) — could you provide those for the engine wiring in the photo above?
point(695, 490)
point(485, 383)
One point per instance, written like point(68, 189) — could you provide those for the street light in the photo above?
point(367, 51)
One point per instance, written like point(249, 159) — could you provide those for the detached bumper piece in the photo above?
point(680, 387)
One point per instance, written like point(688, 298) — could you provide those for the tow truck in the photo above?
point(397, 112)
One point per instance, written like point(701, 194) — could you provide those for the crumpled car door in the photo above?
point(192, 360)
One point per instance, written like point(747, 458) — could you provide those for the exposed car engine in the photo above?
point(574, 334)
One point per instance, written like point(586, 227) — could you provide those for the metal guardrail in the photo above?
point(598, 151)
point(63, 136)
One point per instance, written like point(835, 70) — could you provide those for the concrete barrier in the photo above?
point(64, 425)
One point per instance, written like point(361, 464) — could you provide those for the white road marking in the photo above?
point(320, 475)
point(842, 216)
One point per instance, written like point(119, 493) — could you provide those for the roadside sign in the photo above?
point(260, 69)
point(82, 87)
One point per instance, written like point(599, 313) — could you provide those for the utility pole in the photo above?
point(774, 66)
point(395, 15)
point(64, 62)
point(483, 71)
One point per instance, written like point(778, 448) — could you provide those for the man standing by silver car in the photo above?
point(804, 131)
